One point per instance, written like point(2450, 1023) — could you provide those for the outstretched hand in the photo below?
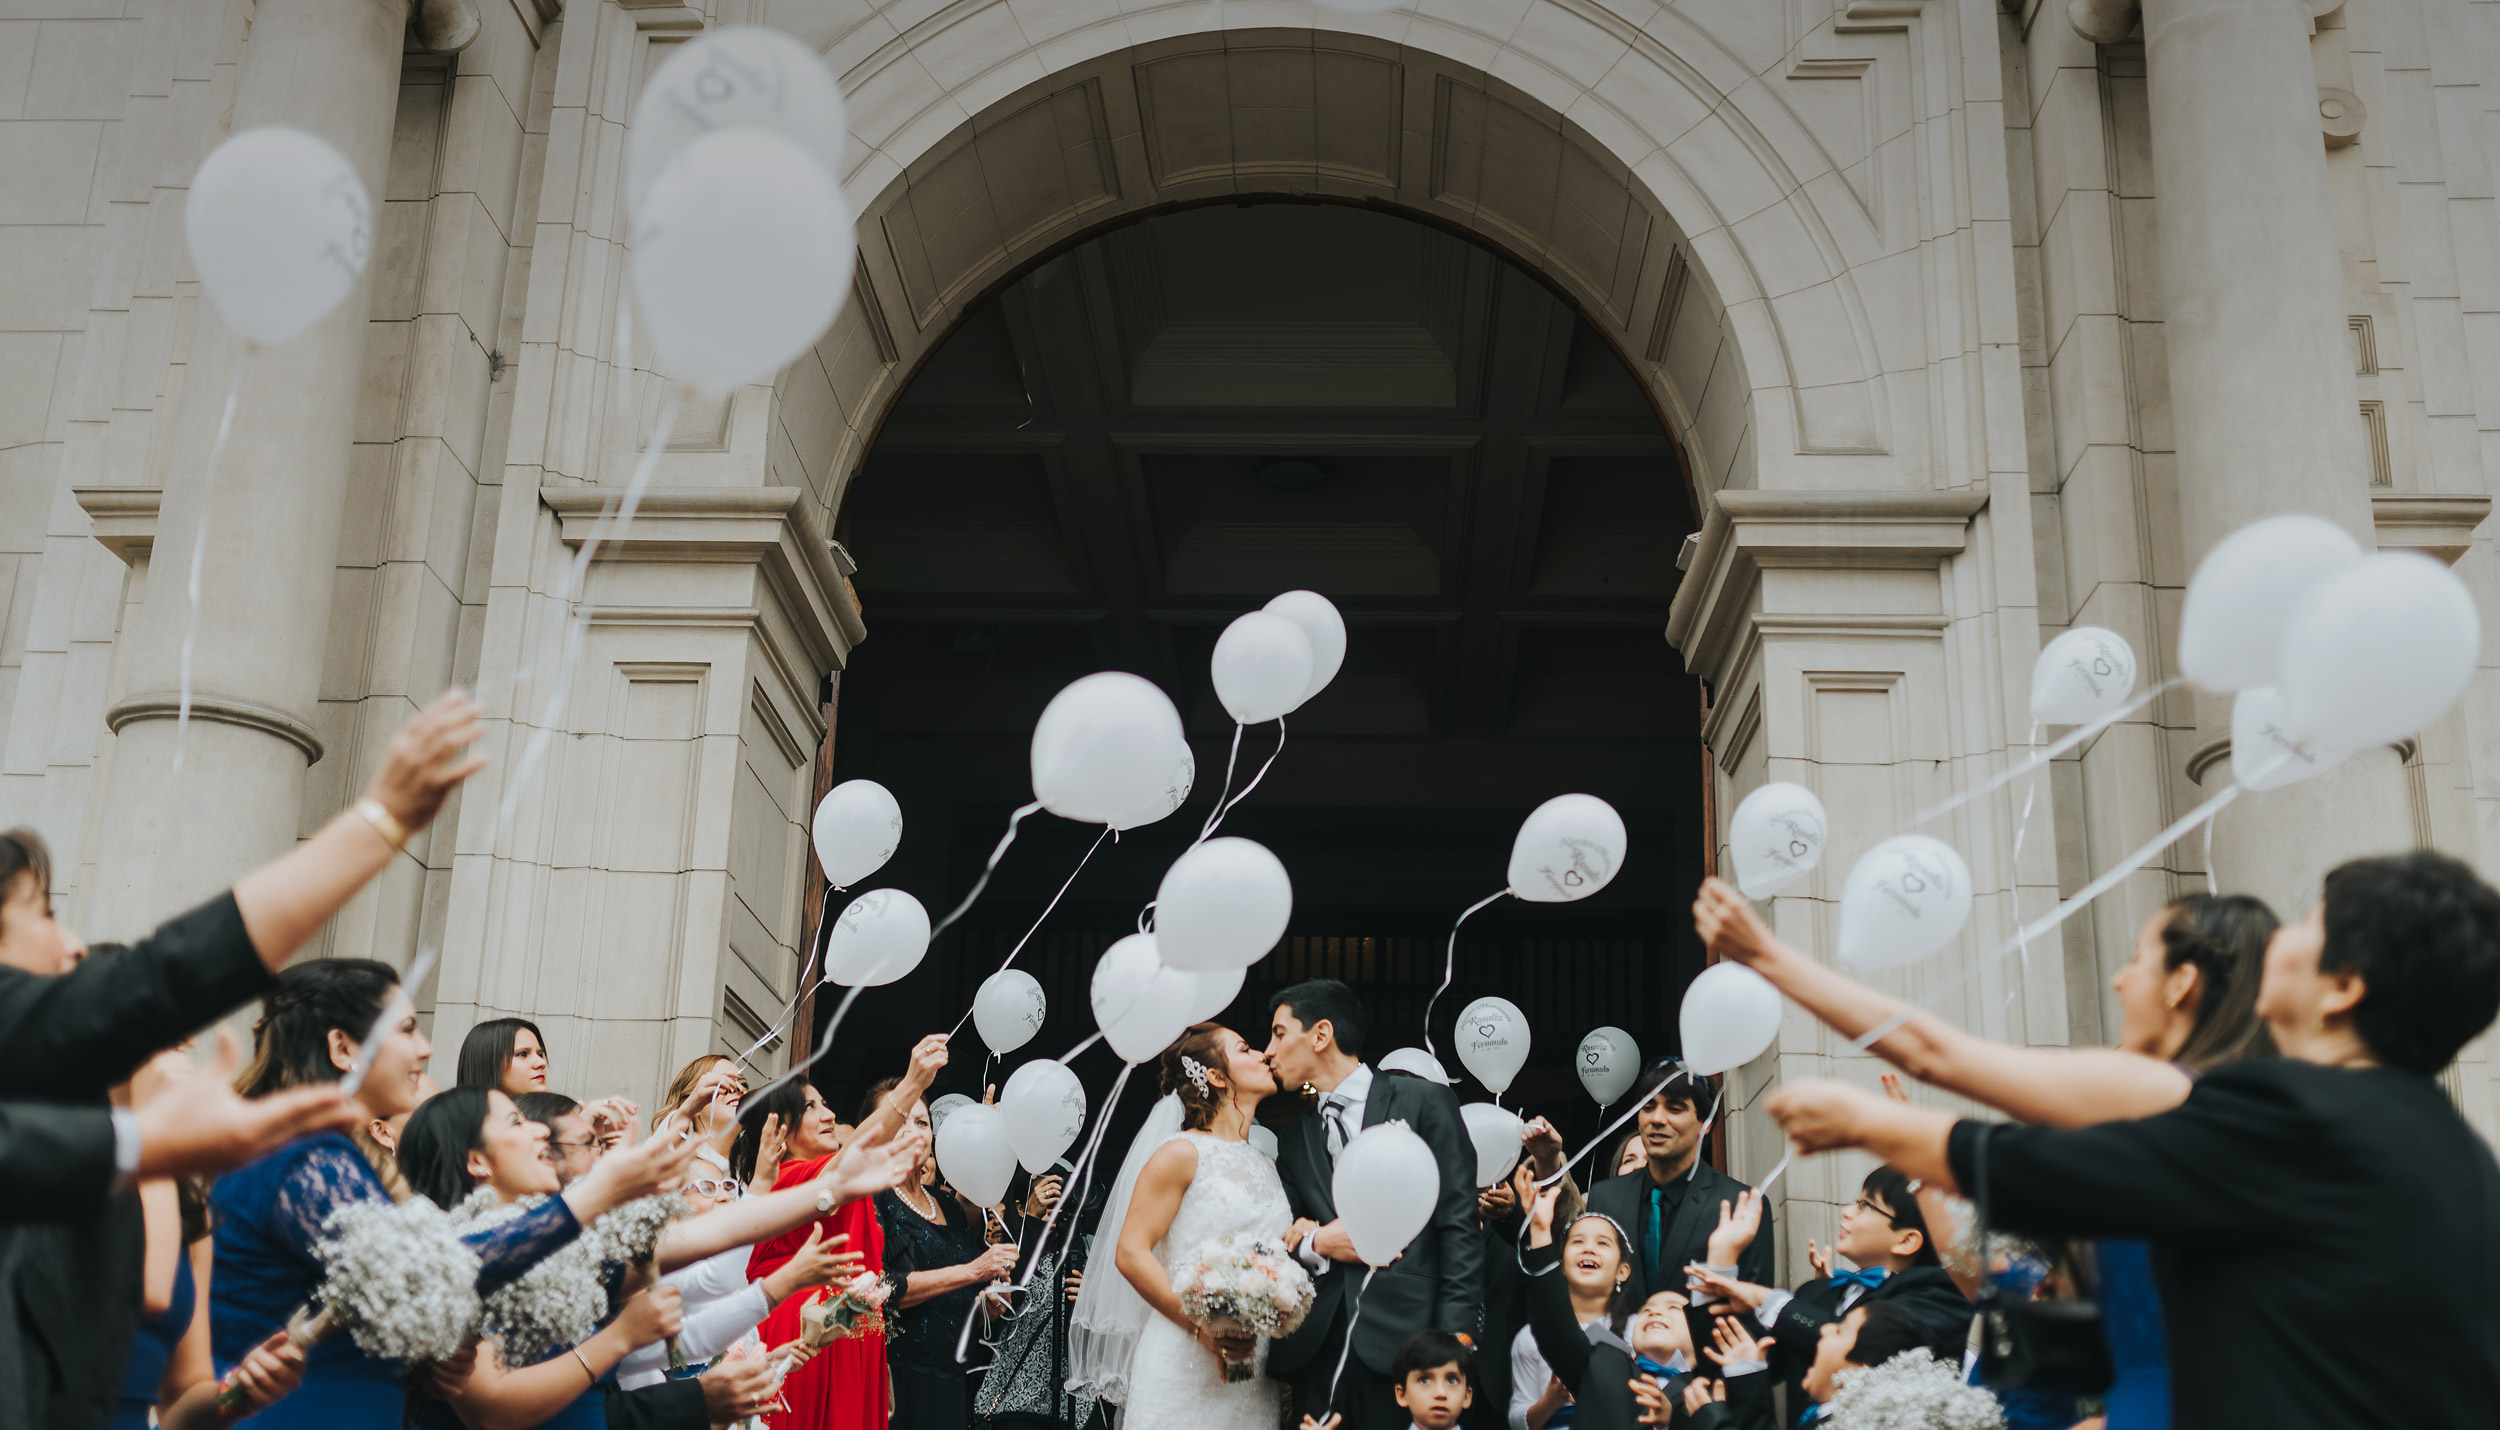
point(1728, 924)
point(191, 1122)
point(1820, 1115)
point(1731, 1344)
point(868, 1167)
point(1739, 1222)
point(428, 759)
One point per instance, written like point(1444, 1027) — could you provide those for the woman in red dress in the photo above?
point(843, 1387)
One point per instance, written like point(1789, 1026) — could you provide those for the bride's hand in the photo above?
point(1232, 1348)
point(1302, 1227)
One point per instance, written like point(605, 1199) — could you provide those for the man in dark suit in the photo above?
point(1670, 1212)
point(728, 1392)
point(2288, 1197)
point(1315, 1041)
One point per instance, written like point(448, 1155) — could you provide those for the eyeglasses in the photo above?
point(558, 1151)
point(717, 1187)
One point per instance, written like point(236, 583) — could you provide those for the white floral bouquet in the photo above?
point(554, 1305)
point(1912, 1391)
point(1237, 1285)
point(397, 1278)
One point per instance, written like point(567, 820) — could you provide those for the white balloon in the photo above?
point(2243, 592)
point(1045, 1107)
point(1173, 794)
point(1262, 667)
point(974, 1153)
point(2379, 650)
point(1215, 990)
point(1386, 1185)
point(741, 259)
point(879, 938)
point(1729, 1018)
point(945, 1107)
point(1323, 627)
point(1416, 1063)
point(1222, 904)
point(1009, 1009)
point(1496, 1132)
point(1103, 750)
point(1568, 848)
point(1905, 899)
point(1492, 1041)
point(1141, 1006)
point(2265, 754)
point(1264, 1140)
point(1776, 838)
point(738, 76)
point(2081, 676)
point(1609, 1059)
point(280, 228)
point(857, 828)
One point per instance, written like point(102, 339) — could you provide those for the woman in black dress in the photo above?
point(936, 1249)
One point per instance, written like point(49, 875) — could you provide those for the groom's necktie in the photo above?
point(1332, 1108)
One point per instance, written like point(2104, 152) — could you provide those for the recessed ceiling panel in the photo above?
point(1348, 526)
point(928, 678)
point(1621, 682)
point(976, 524)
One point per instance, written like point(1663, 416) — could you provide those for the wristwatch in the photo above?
point(824, 1200)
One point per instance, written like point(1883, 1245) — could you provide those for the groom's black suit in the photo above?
point(1435, 1285)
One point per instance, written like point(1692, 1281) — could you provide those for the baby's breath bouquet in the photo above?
point(396, 1278)
point(554, 1305)
point(631, 1234)
point(1237, 1285)
point(1913, 1391)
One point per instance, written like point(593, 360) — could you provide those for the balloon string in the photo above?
point(1080, 1177)
point(815, 951)
point(2022, 826)
point(986, 870)
point(2213, 880)
point(1628, 1113)
point(614, 521)
point(2064, 743)
point(1449, 963)
point(1351, 1322)
point(1037, 923)
point(199, 555)
point(1224, 807)
point(1216, 815)
point(824, 1045)
point(2041, 926)
point(1090, 1040)
point(1716, 1095)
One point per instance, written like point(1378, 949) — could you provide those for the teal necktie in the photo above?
point(1655, 1235)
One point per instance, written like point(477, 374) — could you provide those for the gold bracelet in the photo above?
point(384, 823)
point(586, 1370)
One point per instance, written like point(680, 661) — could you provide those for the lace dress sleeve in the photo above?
point(334, 1175)
point(508, 1249)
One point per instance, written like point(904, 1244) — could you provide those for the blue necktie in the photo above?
point(1868, 1279)
point(1654, 1235)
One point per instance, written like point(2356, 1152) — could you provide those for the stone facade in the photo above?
point(1971, 329)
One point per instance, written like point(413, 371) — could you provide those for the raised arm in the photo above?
point(870, 1165)
point(927, 1057)
point(2054, 1087)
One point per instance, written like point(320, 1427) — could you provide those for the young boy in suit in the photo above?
point(1433, 1378)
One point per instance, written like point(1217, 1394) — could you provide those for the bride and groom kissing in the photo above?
point(1192, 1176)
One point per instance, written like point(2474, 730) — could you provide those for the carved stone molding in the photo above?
point(2340, 116)
point(775, 528)
point(167, 705)
point(2441, 526)
point(124, 517)
point(1749, 532)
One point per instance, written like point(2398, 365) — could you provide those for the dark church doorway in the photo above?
point(1167, 425)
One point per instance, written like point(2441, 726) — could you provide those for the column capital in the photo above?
point(124, 517)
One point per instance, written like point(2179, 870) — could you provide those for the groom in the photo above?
point(1315, 1037)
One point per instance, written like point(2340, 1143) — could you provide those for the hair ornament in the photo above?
point(1197, 1073)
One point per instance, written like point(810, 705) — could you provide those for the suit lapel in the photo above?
point(1701, 1195)
point(1317, 1171)
point(1376, 1103)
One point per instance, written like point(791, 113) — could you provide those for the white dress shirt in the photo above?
point(1349, 1098)
point(719, 1305)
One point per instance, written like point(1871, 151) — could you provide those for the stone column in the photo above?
point(273, 507)
point(2261, 378)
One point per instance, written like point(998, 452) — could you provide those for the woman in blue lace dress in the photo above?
point(473, 1138)
point(271, 1214)
point(2187, 1001)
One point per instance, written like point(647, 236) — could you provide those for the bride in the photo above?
point(1190, 1177)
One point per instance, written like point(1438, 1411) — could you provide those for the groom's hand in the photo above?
point(1332, 1242)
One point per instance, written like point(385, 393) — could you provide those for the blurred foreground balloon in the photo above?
point(1905, 899)
point(734, 77)
point(1775, 838)
point(280, 229)
point(858, 826)
point(1386, 1184)
point(2243, 592)
point(2265, 754)
point(2378, 650)
point(741, 258)
point(1729, 1017)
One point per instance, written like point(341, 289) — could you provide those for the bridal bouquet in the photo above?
point(1237, 1285)
point(855, 1309)
point(396, 1278)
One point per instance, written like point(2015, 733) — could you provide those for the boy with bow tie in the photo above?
point(1884, 1234)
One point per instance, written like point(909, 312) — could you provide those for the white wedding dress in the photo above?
point(1171, 1380)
